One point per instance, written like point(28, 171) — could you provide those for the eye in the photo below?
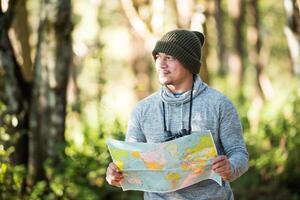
point(171, 58)
point(157, 56)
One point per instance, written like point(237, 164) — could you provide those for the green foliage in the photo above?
point(274, 171)
point(11, 176)
point(81, 175)
point(100, 46)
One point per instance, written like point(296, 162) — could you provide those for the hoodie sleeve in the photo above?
point(231, 136)
point(134, 131)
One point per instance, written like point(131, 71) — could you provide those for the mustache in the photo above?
point(163, 71)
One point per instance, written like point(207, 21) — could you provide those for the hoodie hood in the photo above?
point(168, 97)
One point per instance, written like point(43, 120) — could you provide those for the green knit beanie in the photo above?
point(184, 45)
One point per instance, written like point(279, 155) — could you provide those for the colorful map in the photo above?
point(165, 167)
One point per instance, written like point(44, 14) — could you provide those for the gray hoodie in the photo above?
point(211, 111)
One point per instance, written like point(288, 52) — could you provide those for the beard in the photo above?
point(164, 79)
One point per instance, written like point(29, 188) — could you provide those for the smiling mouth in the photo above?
point(164, 73)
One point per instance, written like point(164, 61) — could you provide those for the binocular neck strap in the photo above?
point(190, 113)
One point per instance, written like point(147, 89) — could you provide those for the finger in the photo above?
point(114, 167)
point(224, 172)
point(115, 175)
point(220, 164)
point(113, 170)
point(113, 182)
point(221, 170)
point(116, 183)
point(219, 159)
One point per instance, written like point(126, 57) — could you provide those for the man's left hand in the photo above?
point(221, 166)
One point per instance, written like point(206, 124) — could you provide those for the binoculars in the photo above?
point(181, 133)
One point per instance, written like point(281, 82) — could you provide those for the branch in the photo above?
point(184, 9)
point(157, 20)
point(137, 23)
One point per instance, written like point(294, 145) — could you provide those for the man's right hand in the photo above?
point(113, 175)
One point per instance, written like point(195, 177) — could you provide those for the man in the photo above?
point(175, 110)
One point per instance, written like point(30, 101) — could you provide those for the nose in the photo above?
point(161, 62)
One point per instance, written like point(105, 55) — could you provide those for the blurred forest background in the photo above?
point(71, 71)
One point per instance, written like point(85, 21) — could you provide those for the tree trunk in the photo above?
point(15, 91)
point(292, 32)
point(21, 29)
point(218, 12)
point(141, 62)
point(259, 52)
point(236, 61)
point(48, 104)
point(205, 52)
point(10, 92)
point(184, 10)
point(141, 59)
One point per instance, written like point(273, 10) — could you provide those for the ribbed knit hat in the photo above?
point(184, 45)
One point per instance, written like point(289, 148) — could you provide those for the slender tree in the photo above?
point(141, 36)
point(20, 27)
point(15, 90)
point(48, 101)
point(218, 13)
point(292, 32)
point(184, 12)
point(199, 22)
point(237, 64)
point(259, 52)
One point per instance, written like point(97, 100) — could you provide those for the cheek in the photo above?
point(182, 71)
point(177, 71)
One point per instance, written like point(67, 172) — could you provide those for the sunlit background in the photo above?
point(251, 54)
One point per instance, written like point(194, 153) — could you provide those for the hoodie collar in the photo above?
point(168, 97)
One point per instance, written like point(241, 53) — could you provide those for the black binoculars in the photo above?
point(181, 133)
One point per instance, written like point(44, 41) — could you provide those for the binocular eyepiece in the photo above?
point(181, 133)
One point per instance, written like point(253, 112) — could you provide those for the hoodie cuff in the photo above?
point(232, 173)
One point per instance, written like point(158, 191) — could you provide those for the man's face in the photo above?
point(170, 71)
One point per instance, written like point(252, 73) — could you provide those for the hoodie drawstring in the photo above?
point(183, 131)
point(182, 125)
